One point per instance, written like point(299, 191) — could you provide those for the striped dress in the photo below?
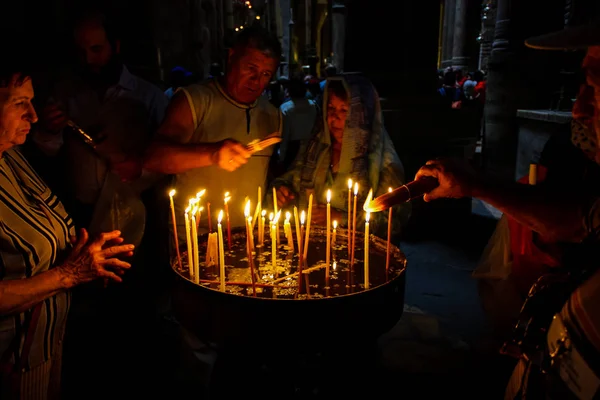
point(34, 237)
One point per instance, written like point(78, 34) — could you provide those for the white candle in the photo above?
point(171, 194)
point(221, 251)
point(195, 246)
point(349, 227)
point(328, 227)
point(274, 224)
point(367, 250)
point(248, 229)
point(354, 225)
point(188, 239)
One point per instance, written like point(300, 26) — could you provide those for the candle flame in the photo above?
point(188, 209)
point(302, 217)
point(355, 188)
point(247, 209)
point(277, 217)
point(250, 219)
point(367, 217)
point(200, 193)
point(288, 215)
point(220, 218)
point(271, 217)
point(349, 184)
point(390, 190)
point(227, 197)
point(368, 201)
point(334, 265)
point(195, 210)
point(192, 201)
point(328, 195)
point(334, 224)
point(263, 213)
point(201, 209)
point(172, 193)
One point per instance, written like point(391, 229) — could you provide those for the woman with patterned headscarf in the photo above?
point(348, 142)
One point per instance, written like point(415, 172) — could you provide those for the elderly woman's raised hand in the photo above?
point(285, 196)
point(92, 259)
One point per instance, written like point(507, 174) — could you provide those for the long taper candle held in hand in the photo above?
point(171, 194)
point(404, 193)
point(221, 252)
point(328, 236)
point(226, 199)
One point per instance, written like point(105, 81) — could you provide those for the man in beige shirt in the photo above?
point(207, 126)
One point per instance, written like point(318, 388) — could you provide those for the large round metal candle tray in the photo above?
point(275, 314)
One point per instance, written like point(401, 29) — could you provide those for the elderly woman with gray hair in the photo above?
point(40, 257)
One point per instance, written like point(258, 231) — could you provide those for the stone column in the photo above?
point(501, 136)
point(228, 10)
point(486, 37)
point(448, 33)
point(339, 35)
point(459, 58)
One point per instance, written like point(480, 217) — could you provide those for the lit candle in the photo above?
point(367, 250)
point(209, 217)
point(287, 229)
point(188, 239)
point(301, 254)
point(274, 242)
point(262, 227)
point(195, 246)
point(389, 234)
point(349, 227)
point(258, 208)
point(248, 228)
point(171, 194)
point(227, 198)
point(328, 226)
point(221, 251)
point(354, 225)
point(306, 237)
point(334, 233)
point(249, 241)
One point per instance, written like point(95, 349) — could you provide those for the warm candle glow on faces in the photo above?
point(302, 218)
point(220, 218)
point(356, 188)
point(172, 193)
point(334, 224)
point(349, 184)
point(329, 195)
